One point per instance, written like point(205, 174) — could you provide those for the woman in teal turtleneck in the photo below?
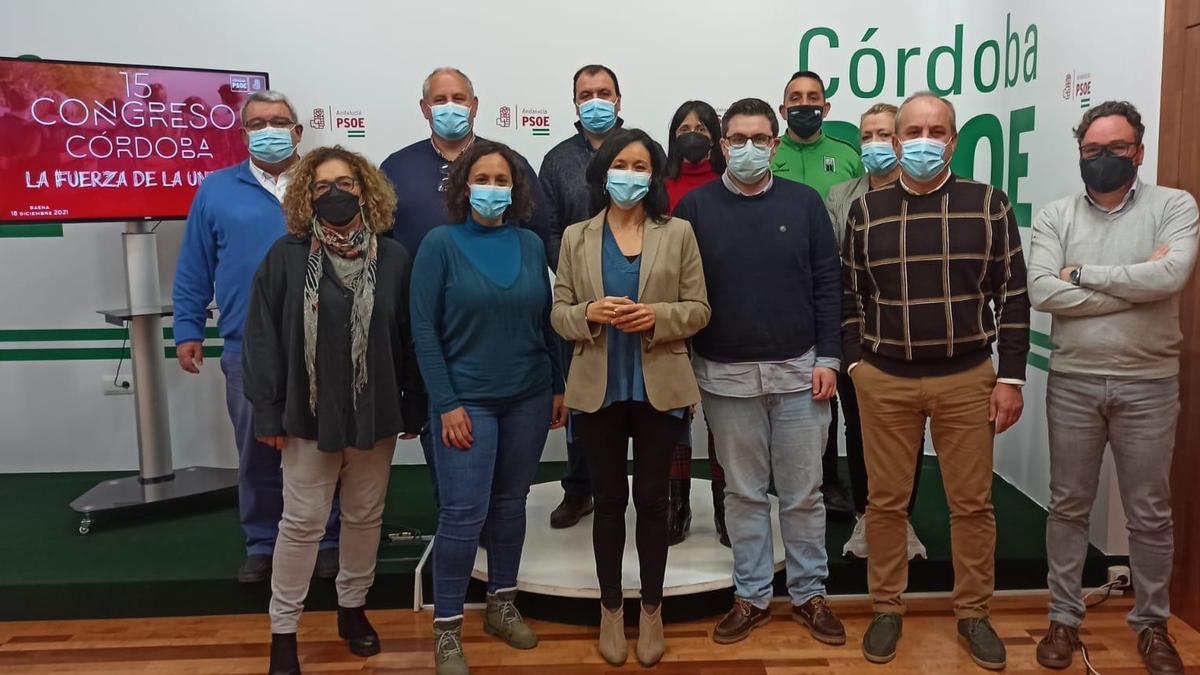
point(481, 324)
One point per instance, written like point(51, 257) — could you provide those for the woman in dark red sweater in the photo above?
point(693, 159)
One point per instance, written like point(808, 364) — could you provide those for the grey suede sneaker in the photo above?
point(879, 642)
point(447, 648)
point(987, 651)
point(504, 621)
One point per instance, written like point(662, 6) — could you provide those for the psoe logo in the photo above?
point(504, 117)
point(537, 120)
point(318, 119)
point(239, 83)
point(352, 121)
point(1078, 87)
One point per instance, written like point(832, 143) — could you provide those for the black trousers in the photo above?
point(854, 447)
point(605, 436)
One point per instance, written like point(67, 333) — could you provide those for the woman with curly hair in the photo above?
point(331, 373)
point(481, 321)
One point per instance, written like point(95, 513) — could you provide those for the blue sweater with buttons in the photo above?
point(231, 225)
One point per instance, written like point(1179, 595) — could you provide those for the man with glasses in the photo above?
point(767, 366)
point(234, 219)
point(419, 172)
point(934, 275)
point(1109, 264)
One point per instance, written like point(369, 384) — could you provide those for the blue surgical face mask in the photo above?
point(451, 121)
point(627, 188)
point(490, 201)
point(598, 115)
point(922, 158)
point(749, 163)
point(878, 157)
point(272, 145)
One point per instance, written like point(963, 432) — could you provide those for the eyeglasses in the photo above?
point(1118, 148)
point(444, 170)
point(258, 123)
point(759, 140)
point(345, 184)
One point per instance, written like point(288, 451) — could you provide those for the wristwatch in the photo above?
point(1075, 275)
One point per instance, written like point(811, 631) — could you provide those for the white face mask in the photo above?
point(749, 163)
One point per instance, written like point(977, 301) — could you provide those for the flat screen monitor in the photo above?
point(103, 142)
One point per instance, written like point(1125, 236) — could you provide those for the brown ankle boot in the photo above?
point(613, 646)
point(651, 644)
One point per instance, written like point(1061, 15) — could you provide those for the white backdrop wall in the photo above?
point(1019, 71)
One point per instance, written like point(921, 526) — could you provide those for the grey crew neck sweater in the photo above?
point(1123, 318)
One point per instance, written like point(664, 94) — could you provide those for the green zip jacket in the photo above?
point(819, 165)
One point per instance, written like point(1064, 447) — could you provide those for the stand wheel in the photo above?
point(85, 526)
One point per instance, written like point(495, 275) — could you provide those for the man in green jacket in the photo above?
point(806, 155)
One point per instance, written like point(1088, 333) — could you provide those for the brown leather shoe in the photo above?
point(822, 623)
point(742, 618)
point(1157, 648)
point(1057, 649)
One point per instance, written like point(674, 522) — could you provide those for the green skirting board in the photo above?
point(181, 560)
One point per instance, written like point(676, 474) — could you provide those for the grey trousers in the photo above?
point(309, 480)
point(1136, 418)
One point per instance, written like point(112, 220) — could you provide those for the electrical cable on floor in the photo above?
point(1120, 582)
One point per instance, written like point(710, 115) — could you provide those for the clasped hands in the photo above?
point(621, 313)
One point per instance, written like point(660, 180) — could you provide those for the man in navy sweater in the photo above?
point(767, 366)
point(234, 219)
point(419, 173)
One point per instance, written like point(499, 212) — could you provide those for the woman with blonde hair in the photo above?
point(333, 379)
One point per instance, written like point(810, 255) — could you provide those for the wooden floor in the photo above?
point(238, 644)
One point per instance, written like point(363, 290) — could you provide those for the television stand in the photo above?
point(157, 481)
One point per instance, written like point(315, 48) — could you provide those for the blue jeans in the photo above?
point(483, 489)
point(260, 479)
point(783, 434)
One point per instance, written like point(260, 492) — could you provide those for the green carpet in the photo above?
point(181, 559)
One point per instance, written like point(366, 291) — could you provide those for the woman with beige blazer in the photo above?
point(629, 293)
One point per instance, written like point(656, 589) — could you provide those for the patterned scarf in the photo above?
point(359, 278)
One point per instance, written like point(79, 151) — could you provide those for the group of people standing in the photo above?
point(763, 276)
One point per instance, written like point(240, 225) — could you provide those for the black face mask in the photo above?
point(336, 207)
point(693, 146)
point(805, 120)
point(1106, 172)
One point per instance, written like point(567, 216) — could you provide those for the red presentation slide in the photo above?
point(106, 142)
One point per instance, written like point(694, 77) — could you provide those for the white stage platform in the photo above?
point(560, 562)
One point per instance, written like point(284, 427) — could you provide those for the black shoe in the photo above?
point(327, 563)
point(837, 502)
point(679, 513)
point(355, 629)
point(284, 660)
point(569, 511)
point(255, 568)
point(718, 490)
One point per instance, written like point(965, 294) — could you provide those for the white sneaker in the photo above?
point(857, 544)
point(915, 548)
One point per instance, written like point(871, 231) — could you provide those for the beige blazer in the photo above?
point(671, 282)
